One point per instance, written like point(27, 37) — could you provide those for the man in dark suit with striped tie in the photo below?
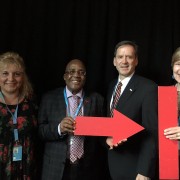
point(136, 157)
point(69, 157)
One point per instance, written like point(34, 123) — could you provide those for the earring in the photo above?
point(172, 76)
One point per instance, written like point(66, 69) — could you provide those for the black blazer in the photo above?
point(52, 111)
point(139, 154)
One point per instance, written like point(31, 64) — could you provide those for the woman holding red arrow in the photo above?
point(173, 133)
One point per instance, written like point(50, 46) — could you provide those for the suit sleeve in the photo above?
point(47, 119)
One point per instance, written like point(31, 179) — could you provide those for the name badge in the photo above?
point(17, 153)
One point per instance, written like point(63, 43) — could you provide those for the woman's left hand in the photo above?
point(172, 133)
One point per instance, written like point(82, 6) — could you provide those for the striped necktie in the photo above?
point(116, 96)
point(76, 142)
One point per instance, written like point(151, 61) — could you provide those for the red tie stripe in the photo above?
point(116, 97)
point(76, 142)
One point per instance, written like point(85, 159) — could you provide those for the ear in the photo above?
point(64, 76)
point(114, 61)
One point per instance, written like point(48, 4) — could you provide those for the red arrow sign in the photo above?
point(168, 149)
point(119, 127)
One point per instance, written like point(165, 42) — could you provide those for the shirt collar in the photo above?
point(125, 80)
point(69, 93)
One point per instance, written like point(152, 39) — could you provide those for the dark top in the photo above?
point(27, 127)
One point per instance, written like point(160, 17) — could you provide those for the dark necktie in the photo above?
point(76, 142)
point(116, 96)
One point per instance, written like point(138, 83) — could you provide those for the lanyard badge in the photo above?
point(17, 148)
point(17, 152)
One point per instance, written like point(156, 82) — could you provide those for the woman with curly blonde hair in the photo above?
point(17, 120)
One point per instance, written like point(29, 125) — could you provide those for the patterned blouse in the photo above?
point(27, 132)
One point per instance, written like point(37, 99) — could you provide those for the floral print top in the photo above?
point(27, 132)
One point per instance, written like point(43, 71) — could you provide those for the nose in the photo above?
point(76, 73)
point(124, 59)
point(11, 77)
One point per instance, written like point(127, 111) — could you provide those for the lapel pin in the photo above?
point(130, 89)
point(86, 101)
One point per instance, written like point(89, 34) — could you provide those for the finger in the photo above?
point(124, 140)
point(69, 120)
point(177, 135)
point(115, 145)
point(170, 132)
point(68, 124)
point(172, 129)
point(67, 128)
point(71, 131)
point(173, 136)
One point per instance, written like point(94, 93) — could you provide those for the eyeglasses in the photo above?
point(73, 72)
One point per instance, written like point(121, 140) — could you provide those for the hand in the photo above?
point(141, 177)
point(172, 133)
point(67, 125)
point(109, 142)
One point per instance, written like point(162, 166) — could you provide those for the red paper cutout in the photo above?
point(168, 149)
point(119, 127)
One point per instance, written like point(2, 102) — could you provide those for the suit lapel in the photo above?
point(86, 104)
point(128, 91)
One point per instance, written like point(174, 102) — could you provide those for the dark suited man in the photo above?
point(136, 158)
point(62, 160)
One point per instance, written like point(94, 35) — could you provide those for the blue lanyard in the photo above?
point(67, 105)
point(14, 117)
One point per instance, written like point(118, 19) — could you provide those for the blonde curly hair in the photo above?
point(14, 58)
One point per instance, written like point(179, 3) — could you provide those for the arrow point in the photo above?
point(124, 126)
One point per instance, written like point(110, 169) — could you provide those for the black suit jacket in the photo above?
point(139, 153)
point(52, 111)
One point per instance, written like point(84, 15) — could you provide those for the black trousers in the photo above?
point(73, 171)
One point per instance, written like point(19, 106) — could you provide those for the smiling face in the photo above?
point(125, 60)
point(11, 78)
point(176, 71)
point(175, 63)
point(75, 76)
